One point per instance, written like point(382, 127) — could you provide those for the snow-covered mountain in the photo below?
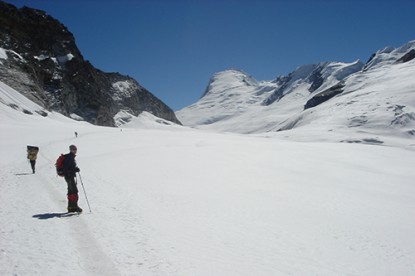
point(374, 98)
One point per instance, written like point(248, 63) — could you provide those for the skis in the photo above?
point(69, 214)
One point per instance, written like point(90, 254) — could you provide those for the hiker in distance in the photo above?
point(70, 169)
point(32, 156)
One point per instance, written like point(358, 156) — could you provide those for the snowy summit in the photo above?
point(370, 100)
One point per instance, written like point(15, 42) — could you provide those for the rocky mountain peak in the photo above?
point(316, 77)
point(41, 60)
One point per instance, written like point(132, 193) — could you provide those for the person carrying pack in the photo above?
point(69, 172)
point(32, 156)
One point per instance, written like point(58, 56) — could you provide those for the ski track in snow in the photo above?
point(79, 245)
point(90, 257)
point(170, 221)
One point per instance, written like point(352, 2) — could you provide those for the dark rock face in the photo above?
point(368, 62)
point(44, 63)
point(316, 79)
point(325, 95)
point(407, 57)
point(283, 84)
point(311, 74)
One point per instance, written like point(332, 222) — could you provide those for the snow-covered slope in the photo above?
point(389, 55)
point(229, 93)
point(179, 201)
point(233, 93)
point(379, 102)
point(333, 96)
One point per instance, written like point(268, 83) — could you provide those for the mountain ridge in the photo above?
point(40, 59)
point(360, 96)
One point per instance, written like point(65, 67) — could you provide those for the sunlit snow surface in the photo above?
point(171, 200)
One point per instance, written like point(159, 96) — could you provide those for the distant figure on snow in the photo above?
point(70, 169)
point(32, 156)
point(76, 134)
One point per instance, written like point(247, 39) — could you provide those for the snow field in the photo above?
point(170, 202)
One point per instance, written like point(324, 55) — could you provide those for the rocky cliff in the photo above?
point(40, 59)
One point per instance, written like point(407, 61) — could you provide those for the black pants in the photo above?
point(72, 193)
point(72, 187)
point(33, 163)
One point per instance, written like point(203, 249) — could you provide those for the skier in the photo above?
point(32, 155)
point(70, 169)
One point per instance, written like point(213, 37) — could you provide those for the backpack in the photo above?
point(59, 165)
point(32, 152)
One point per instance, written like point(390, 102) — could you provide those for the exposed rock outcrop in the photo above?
point(43, 62)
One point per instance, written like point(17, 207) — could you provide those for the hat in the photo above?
point(73, 147)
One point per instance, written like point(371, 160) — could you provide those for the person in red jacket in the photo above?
point(70, 169)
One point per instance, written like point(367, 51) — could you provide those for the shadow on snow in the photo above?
point(54, 215)
point(23, 173)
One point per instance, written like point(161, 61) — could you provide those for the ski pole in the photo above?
point(82, 183)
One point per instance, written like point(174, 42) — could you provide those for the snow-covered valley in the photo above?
point(171, 200)
point(310, 173)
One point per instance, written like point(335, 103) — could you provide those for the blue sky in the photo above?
point(173, 47)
